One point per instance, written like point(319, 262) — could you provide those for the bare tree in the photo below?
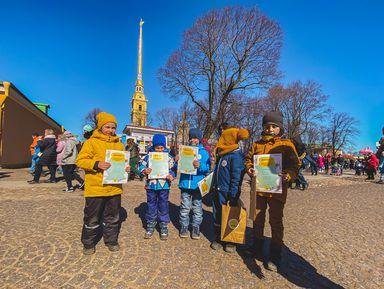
point(302, 104)
point(311, 135)
point(91, 117)
point(342, 130)
point(324, 137)
point(167, 118)
point(229, 50)
point(253, 111)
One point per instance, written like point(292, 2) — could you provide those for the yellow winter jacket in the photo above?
point(291, 162)
point(93, 151)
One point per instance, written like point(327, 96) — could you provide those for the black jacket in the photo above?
point(48, 150)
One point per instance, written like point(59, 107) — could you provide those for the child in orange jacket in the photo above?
point(272, 143)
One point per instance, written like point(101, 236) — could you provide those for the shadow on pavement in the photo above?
point(5, 174)
point(206, 227)
point(250, 262)
point(140, 211)
point(294, 268)
point(300, 272)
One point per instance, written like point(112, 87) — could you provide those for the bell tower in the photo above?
point(139, 101)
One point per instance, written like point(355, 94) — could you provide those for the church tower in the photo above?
point(139, 101)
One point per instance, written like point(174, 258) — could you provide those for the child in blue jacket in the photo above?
point(157, 191)
point(227, 178)
point(190, 190)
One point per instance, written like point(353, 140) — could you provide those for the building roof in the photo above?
point(148, 128)
point(29, 101)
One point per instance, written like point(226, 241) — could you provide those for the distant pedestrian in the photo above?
point(87, 131)
point(102, 202)
point(381, 168)
point(320, 161)
point(340, 162)
point(314, 164)
point(32, 149)
point(47, 157)
point(373, 163)
point(134, 158)
point(68, 161)
point(301, 182)
point(60, 147)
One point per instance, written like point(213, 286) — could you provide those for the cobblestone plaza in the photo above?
point(333, 234)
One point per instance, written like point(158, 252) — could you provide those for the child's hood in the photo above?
point(229, 140)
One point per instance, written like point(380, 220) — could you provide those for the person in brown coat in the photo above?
point(272, 143)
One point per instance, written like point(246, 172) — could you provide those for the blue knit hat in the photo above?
point(158, 140)
point(195, 133)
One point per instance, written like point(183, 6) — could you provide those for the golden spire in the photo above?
point(140, 60)
point(139, 101)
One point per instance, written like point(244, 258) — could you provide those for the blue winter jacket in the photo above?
point(191, 181)
point(227, 173)
point(159, 184)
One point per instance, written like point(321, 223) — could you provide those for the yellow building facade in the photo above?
point(19, 118)
point(139, 101)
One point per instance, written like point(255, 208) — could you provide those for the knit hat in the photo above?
point(274, 117)
point(87, 128)
point(103, 118)
point(195, 133)
point(158, 140)
point(67, 133)
point(229, 140)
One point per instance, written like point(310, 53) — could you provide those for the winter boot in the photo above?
point(113, 247)
point(150, 230)
point(89, 250)
point(195, 232)
point(183, 232)
point(216, 243)
point(274, 262)
point(163, 231)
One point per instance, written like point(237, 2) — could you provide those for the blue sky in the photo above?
point(80, 54)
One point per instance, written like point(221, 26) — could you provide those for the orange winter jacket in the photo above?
point(291, 162)
point(94, 150)
point(32, 148)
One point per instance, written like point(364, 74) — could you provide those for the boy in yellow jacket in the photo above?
point(100, 200)
point(272, 143)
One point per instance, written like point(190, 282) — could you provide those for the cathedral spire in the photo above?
point(139, 101)
point(139, 80)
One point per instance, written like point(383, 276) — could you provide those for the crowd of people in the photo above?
point(370, 165)
point(227, 161)
point(58, 154)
